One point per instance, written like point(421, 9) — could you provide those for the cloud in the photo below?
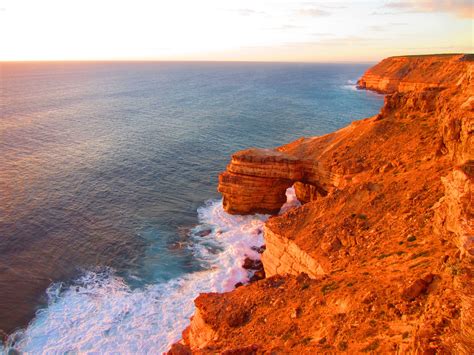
point(336, 42)
point(322, 34)
point(289, 27)
point(249, 12)
point(313, 12)
point(461, 8)
point(385, 27)
point(326, 5)
point(377, 28)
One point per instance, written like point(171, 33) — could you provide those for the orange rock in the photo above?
point(367, 190)
point(256, 179)
point(243, 194)
point(179, 349)
point(414, 73)
point(417, 288)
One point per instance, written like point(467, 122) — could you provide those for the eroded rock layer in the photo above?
point(282, 256)
point(256, 179)
point(380, 258)
point(418, 72)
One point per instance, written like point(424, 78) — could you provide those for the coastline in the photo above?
point(222, 243)
point(126, 197)
point(386, 220)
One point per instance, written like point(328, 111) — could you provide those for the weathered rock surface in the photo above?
point(415, 73)
point(256, 179)
point(384, 237)
point(282, 256)
point(200, 332)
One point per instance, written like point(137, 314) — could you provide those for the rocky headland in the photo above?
point(380, 256)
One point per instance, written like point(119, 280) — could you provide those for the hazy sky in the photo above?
point(365, 30)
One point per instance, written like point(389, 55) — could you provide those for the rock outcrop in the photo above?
point(416, 73)
point(256, 179)
point(283, 256)
point(380, 256)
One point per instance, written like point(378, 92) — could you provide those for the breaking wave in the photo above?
point(99, 312)
point(350, 85)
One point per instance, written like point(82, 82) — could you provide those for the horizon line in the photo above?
point(144, 60)
point(179, 61)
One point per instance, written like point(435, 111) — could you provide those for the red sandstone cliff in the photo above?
point(380, 257)
point(411, 73)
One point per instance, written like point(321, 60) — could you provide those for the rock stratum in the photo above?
point(380, 256)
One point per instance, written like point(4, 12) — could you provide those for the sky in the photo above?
point(240, 30)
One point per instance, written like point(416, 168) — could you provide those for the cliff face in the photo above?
point(380, 256)
point(412, 73)
point(256, 179)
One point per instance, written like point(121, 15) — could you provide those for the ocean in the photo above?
point(108, 175)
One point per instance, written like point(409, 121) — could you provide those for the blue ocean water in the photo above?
point(109, 170)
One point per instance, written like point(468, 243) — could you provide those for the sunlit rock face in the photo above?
point(380, 256)
point(256, 180)
point(283, 256)
point(412, 73)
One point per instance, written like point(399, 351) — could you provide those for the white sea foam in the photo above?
point(101, 314)
point(350, 85)
point(291, 200)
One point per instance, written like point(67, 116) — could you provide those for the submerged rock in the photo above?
point(203, 233)
point(250, 264)
point(260, 249)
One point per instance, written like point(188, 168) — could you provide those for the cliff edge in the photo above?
point(380, 256)
point(417, 72)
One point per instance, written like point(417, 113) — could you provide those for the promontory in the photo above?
point(380, 255)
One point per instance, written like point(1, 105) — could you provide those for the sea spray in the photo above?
point(350, 85)
point(101, 313)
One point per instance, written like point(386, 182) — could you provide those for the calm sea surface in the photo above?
point(103, 167)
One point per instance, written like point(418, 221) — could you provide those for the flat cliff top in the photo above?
point(409, 73)
point(261, 156)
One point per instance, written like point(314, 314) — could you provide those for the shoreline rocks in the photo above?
point(344, 272)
